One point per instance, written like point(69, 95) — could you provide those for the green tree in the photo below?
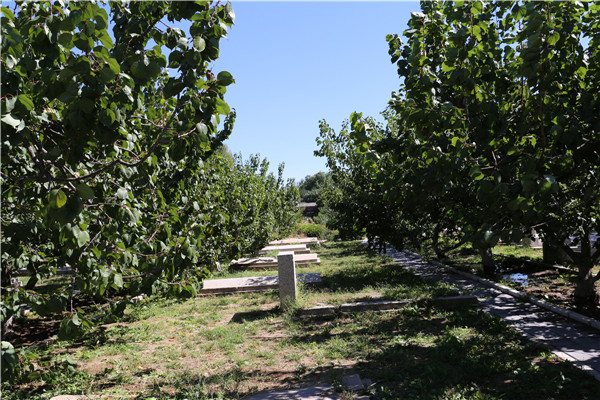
point(494, 131)
point(257, 206)
point(504, 96)
point(312, 186)
point(358, 203)
point(103, 149)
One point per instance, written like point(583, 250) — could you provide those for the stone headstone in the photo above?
point(287, 279)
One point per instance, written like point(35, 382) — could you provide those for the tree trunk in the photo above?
point(487, 261)
point(6, 282)
point(553, 254)
point(33, 280)
point(586, 294)
point(435, 245)
point(6, 278)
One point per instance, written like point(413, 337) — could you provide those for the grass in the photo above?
point(228, 347)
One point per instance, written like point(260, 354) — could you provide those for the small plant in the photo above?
point(312, 230)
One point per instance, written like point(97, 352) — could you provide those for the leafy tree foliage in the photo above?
point(312, 186)
point(247, 206)
point(496, 128)
point(111, 160)
point(356, 201)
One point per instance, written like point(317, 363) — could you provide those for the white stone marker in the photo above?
point(287, 279)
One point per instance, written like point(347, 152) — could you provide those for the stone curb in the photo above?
point(519, 295)
point(374, 306)
point(385, 305)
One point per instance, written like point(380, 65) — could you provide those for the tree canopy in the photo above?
point(495, 130)
point(312, 186)
point(112, 160)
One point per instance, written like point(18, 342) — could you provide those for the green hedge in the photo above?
point(312, 230)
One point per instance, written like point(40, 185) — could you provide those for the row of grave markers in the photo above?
point(290, 252)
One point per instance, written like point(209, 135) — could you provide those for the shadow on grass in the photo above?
point(391, 276)
point(229, 384)
point(431, 354)
point(346, 249)
point(255, 315)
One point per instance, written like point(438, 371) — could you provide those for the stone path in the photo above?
point(323, 392)
point(251, 283)
point(570, 340)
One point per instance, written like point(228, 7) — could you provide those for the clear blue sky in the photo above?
point(296, 63)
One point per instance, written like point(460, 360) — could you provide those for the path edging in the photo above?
point(384, 305)
point(591, 322)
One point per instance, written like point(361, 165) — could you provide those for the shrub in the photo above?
point(312, 230)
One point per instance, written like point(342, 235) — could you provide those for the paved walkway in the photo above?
point(570, 340)
point(323, 392)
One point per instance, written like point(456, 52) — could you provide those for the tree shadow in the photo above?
point(389, 275)
point(348, 249)
point(254, 315)
point(471, 353)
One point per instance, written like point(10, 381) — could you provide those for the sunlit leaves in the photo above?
point(199, 43)
point(88, 125)
point(57, 198)
point(493, 130)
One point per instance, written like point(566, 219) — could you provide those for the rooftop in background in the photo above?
point(304, 205)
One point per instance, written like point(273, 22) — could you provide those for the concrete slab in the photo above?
point(321, 392)
point(307, 241)
point(271, 262)
point(252, 283)
point(318, 311)
point(296, 248)
point(374, 305)
point(352, 383)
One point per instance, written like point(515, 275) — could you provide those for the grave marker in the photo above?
point(287, 279)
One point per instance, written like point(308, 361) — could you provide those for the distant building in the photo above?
point(309, 210)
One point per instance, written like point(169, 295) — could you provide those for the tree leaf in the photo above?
point(84, 191)
point(8, 14)
point(106, 40)
point(66, 39)
point(122, 193)
point(118, 279)
point(82, 237)
point(221, 106)
point(114, 66)
point(183, 42)
point(225, 78)
point(199, 43)
point(553, 39)
point(57, 198)
point(10, 120)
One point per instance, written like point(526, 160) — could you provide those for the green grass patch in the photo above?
point(229, 347)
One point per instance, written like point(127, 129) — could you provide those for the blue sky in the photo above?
point(296, 63)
